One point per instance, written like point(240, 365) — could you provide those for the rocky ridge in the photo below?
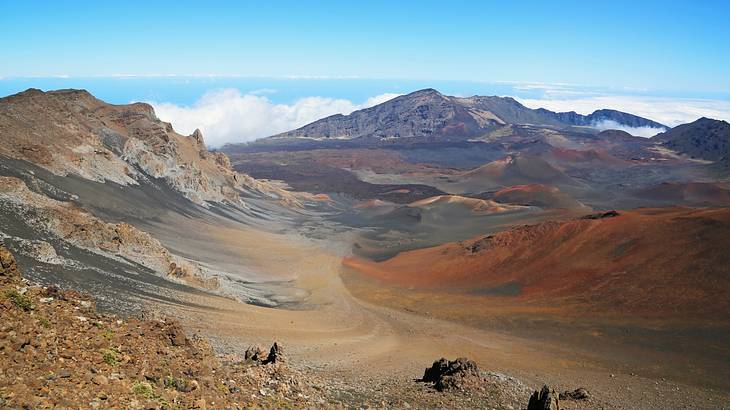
point(70, 132)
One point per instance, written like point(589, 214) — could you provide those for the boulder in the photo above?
point(577, 394)
point(544, 399)
point(452, 374)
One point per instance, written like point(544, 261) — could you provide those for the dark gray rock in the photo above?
point(577, 394)
point(276, 354)
point(544, 399)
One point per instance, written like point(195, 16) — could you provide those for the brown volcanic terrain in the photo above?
point(544, 196)
point(70, 132)
point(660, 263)
point(109, 199)
point(691, 193)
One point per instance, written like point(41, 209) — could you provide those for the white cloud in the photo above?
point(668, 111)
point(227, 116)
point(635, 131)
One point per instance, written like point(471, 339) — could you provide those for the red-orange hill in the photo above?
point(669, 262)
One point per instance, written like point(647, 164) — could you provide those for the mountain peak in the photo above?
point(704, 138)
point(428, 115)
point(426, 93)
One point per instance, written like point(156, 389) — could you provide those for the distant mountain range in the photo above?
point(430, 115)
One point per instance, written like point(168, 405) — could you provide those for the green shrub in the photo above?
point(108, 334)
point(110, 356)
point(143, 389)
point(20, 301)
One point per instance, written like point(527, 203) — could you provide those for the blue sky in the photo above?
point(667, 44)
point(227, 60)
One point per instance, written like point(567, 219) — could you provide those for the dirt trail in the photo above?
point(362, 344)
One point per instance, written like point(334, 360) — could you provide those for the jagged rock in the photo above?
point(454, 374)
point(176, 334)
point(8, 267)
point(198, 137)
point(254, 354)
point(577, 394)
point(544, 399)
point(276, 354)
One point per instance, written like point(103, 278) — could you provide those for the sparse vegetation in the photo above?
point(110, 356)
point(171, 383)
point(19, 300)
point(44, 322)
point(108, 334)
point(143, 389)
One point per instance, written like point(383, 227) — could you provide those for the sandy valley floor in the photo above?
point(370, 348)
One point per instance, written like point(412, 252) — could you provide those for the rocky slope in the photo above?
point(57, 351)
point(76, 227)
point(427, 114)
point(101, 198)
point(705, 138)
point(70, 132)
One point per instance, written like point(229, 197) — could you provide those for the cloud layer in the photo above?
point(227, 116)
point(635, 131)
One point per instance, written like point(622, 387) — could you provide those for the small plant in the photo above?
point(110, 356)
point(143, 389)
point(170, 382)
point(44, 322)
point(108, 334)
point(19, 300)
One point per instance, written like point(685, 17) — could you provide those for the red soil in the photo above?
point(544, 196)
point(671, 262)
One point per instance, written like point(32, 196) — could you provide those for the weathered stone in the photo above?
point(254, 354)
point(100, 380)
point(176, 334)
point(544, 399)
point(577, 394)
point(8, 267)
point(454, 374)
point(276, 354)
